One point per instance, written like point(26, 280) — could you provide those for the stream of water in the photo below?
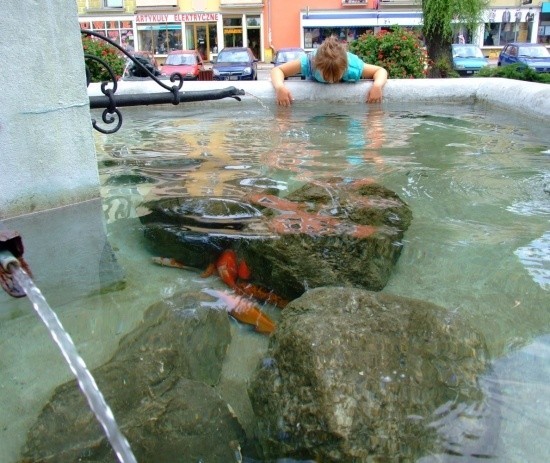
point(77, 365)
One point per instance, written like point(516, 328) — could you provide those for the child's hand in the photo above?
point(375, 94)
point(284, 97)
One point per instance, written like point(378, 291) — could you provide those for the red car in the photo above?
point(188, 63)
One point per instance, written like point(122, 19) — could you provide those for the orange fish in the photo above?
point(243, 271)
point(227, 267)
point(168, 262)
point(261, 294)
point(244, 310)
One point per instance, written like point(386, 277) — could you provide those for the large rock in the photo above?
point(354, 375)
point(331, 233)
point(336, 233)
point(196, 230)
point(159, 387)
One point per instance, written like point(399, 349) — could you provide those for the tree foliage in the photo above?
point(441, 18)
point(107, 53)
point(517, 71)
point(397, 50)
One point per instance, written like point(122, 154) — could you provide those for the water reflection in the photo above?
point(477, 184)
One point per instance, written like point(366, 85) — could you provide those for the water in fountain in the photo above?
point(476, 182)
point(85, 379)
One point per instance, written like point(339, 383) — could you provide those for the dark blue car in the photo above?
point(533, 55)
point(235, 63)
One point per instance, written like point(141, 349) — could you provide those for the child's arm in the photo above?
point(278, 75)
point(380, 77)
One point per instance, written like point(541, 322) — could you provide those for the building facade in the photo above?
point(159, 26)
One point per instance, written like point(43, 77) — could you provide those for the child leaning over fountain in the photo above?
point(329, 63)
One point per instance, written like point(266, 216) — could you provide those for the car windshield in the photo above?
point(534, 52)
point(285, 56)
point(467, 52)
point(233, 57)
point(178, 60)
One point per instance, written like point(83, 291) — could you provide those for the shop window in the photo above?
point(544, 34)
point(160, 39)
point(120, 32)
point(113, 3)
point(233, 32)
point(313, 37)
point(492, 34)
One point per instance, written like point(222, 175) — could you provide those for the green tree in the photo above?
point(440, 20)
point(397, 50)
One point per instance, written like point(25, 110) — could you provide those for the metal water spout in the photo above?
point(11, 254)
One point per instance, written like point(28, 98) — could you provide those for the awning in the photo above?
point(159, 27)
point(358, 19)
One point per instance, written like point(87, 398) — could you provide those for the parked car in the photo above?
point(468, 59)
point(288, 54)
point(533, 55)
point(147, 59)
point(235, 63)
point(188, 63)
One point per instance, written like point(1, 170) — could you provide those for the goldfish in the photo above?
point(243, 310)
point(168, 262)
point(261, 294)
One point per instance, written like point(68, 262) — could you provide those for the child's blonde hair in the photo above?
point(331, 59)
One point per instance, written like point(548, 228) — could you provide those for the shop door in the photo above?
point(202, 40)
point(202, 37)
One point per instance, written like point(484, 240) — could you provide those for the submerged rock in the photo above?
point(332, 233)
point(195, 231)
point(353, 375)
point(337, 233)
point(159, 387)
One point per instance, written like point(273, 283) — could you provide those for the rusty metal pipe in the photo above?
point(11, 254)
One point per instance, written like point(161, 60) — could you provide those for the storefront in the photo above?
point(543, 28)
point(120, 29)
point(349, 25)
point(243, 25)
point(162, 33)
point(504, 25)
point(235, 35)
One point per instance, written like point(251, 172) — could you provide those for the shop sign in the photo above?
point(177, 17)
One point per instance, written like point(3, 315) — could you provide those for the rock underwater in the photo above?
point(354, 375)
point(338, 232)
point(159, 385)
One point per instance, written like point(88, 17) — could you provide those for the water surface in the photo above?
point(477, 181)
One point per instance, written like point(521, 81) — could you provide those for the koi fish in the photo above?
point(168, 262)
point(243, 310)
point(227, 267)
point(261, 294)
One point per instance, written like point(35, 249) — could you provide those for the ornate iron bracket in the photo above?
point(110, 102)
